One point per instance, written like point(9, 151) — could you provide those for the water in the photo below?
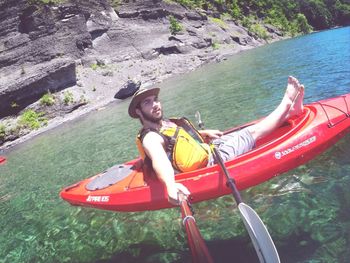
point(306, 210)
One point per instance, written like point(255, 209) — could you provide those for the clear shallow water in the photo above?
point(306, 210)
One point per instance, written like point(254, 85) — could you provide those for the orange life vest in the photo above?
point(184, 146)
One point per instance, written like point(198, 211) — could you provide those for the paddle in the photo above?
point(199, 250)
point(263, 244)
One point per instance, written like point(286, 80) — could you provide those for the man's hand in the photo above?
point(174, 192)
point(211, 134)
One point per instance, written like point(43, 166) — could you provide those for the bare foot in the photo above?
point(298, 105)
point(292, 91)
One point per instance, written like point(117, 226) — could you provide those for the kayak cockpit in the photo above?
point(287, 129)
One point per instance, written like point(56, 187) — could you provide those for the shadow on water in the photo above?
point(238, 250)
point(142, 253)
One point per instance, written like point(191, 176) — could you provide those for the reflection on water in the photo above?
point(306, 210)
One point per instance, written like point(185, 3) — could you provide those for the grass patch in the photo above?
point(94, 66)
point(221, 23)
point(215, 45)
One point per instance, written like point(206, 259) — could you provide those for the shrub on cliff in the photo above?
point(2, 132)
point(47, 99)
point(302, 24)
point(32, 120)
point(68, 97)
point(259, 31)
point(175, 26)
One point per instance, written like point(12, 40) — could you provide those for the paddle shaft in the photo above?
point(230, 181)
point(199, 250)
point(263, 244)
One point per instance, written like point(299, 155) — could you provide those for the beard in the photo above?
point(149, 117)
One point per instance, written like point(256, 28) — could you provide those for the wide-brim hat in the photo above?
point(139, 96)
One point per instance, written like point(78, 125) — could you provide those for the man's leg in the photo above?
point(291, 105)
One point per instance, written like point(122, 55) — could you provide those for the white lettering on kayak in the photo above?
point(279, 155)
point(98, 198)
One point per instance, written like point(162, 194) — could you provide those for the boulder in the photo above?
point(127, 90)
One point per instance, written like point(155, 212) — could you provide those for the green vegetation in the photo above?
point(290, 16)
point(301, 24)
point(219, 22)
point(94, 66)
point(48, 99)
point(68, 97)
point(46, 2)
point(115, 3)
point(32, 120)
point(2, 131)
point(175, 26)
point(259, 30)
point(215, 45)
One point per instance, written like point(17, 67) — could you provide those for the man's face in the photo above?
point(151, 109)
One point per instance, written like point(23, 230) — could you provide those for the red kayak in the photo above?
point(2, 160)
point(127, 187)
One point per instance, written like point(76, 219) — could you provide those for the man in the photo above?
point(175, 145)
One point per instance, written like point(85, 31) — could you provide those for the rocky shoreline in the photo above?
point(89, 50)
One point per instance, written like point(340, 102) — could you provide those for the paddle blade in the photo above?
point(261, 238)
point(199, 119)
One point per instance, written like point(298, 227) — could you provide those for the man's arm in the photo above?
point(153, 145)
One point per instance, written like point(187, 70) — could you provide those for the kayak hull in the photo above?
point(297, 141)
point(2, 160)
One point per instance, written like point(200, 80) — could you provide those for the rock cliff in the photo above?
point(92, 48)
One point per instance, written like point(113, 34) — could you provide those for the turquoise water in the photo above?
point(305, 210)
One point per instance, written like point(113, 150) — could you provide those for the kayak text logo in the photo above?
point(98, 198)
point(279, 155)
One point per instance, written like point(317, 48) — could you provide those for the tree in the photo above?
point(317, 13)
point(302, 24)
